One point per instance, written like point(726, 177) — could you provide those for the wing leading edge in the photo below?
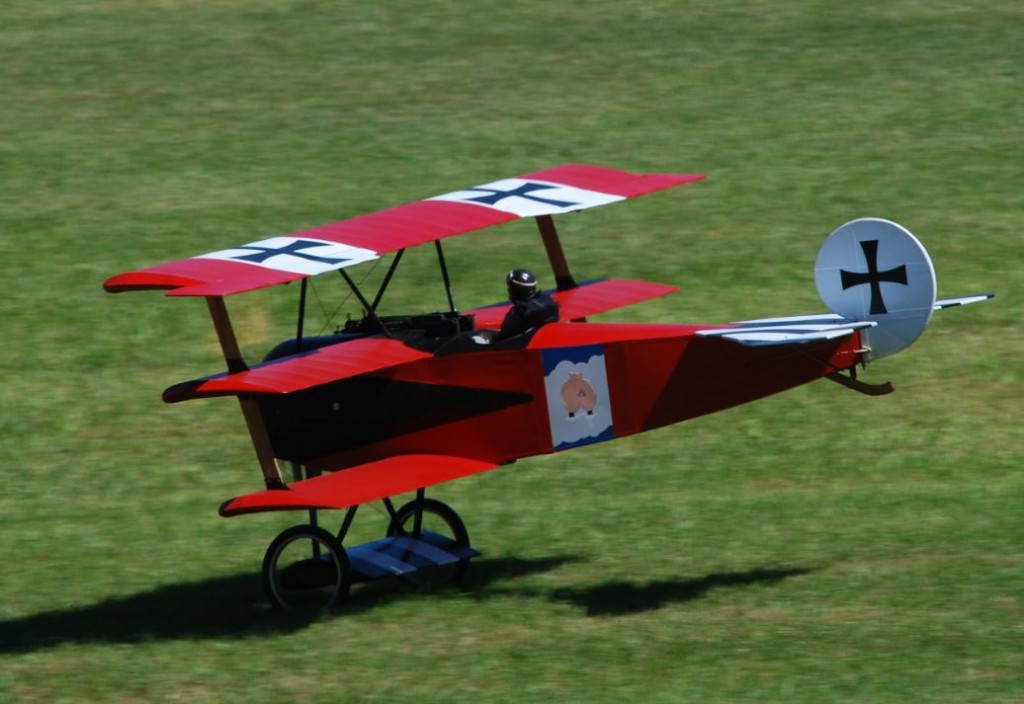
point(334, 246)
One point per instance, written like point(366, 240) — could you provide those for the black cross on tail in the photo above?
point(874, 277)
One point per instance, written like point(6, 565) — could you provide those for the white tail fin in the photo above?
point(875, 270)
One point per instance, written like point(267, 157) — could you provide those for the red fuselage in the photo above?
point(573, 384)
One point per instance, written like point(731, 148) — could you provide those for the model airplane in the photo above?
point(398, 403)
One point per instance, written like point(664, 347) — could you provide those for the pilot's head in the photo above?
point(521, 284)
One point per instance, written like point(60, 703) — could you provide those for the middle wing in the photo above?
point(589, 298)
point(301, 371)
point(358, 485)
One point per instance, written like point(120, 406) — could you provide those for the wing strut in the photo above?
point(444, 275)
point(250, 409)
point(387, 278)
point(226, 334)
point(367, 306)
point(563, 278)
point(302, 315)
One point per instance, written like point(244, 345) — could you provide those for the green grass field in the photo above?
point(818, 546)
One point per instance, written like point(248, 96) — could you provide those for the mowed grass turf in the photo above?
point(815, 546)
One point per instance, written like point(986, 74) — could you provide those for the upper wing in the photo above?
point(788, 331)
point(359, 484)
point(302, 371)
point(341, 244)
point(589, 298)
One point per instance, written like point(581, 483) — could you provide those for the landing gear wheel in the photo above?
point(439, 519)
point(306, 571)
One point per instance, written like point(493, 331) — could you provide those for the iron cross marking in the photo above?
point(295, 249)
point(874, 277)
point(493, 196)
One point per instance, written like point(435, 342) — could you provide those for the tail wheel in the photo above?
point(440, 520)
point(306, 570)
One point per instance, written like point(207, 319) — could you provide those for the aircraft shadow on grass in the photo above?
point(234, 606)
point(618, 598)
point(231, 606)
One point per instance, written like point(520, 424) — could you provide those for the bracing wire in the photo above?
point(329, 318)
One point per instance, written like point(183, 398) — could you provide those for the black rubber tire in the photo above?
point(310, 585)
point(403, 524)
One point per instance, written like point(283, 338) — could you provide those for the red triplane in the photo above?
point(397, 403)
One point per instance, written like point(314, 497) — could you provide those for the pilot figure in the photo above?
point(530, 308)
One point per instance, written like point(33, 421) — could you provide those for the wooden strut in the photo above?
point(250, 409)
point(559, 265)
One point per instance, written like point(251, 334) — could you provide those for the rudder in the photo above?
point(876, 270)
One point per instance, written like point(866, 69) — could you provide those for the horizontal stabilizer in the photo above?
point(589, 298)
point(962, 300)
point(358, 485)
point(788, 331)
point(809, 328)
point(303, 371)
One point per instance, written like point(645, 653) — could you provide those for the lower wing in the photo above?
point(358, 485)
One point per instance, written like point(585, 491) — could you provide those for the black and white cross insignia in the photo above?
point(874, 277)
point(296, 255)
point(493, 195)
point(295, 248)
point(526, 198)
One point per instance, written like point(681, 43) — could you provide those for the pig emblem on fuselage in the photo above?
point(578, 394)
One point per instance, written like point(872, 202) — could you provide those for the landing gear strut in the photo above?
point(307, 570)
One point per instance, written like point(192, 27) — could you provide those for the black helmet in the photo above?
point(521, 283)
